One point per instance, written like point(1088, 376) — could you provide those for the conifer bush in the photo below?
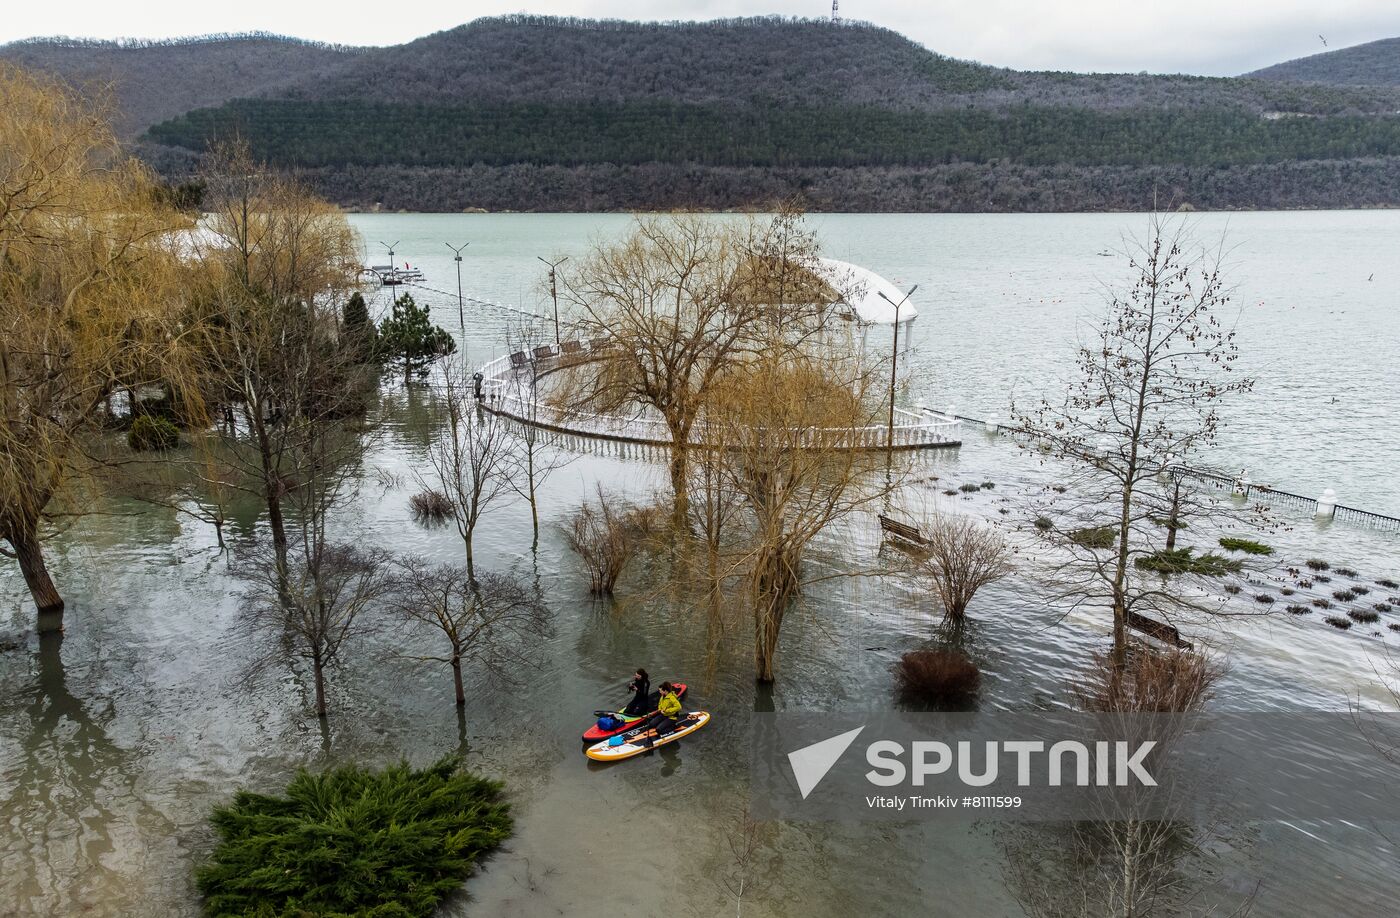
point(1248, 546)
point(353, 842)
point(149, 432)
point(1182, 561)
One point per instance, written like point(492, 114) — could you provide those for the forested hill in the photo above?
point(1375, 63)
point(537, 113)
point(546, 59)
point(153, 81)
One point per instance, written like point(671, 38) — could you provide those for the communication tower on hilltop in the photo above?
point(835, 10)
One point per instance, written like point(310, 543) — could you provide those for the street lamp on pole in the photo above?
point(554, 291)
point(393, 270)
point(457, 257)
point(894, 358)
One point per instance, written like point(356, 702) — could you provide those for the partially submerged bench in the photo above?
point(1159, 631)
point(902, 532)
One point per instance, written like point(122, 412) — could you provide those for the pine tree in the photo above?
point(360, 333)
point(409, 337)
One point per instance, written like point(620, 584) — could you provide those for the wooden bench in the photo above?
point(601, 344)
point(518, 359)
point(902, 531)
point(1161, 631)
point(544, 352)
point(572, 348)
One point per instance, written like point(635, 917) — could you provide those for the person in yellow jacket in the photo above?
point(668, 712)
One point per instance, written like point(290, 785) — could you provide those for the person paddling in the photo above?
point(640, 687)
point(668, 713)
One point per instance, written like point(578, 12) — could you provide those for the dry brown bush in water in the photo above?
point(961, 556)
point(430, 507)
point(936, 677)
point(606, 534)
point(1152, 681)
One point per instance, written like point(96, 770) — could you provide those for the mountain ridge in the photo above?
point(687, 112)
point(1373, 63)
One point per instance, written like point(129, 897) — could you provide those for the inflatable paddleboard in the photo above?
point(602, 752)
point(596, 734)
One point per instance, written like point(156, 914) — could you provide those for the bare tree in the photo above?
point(536, 461)
point(318, 605)
point(313, 594)
point(473, 460)
point(279, 262)
point(491, 619)
point(749, 843)
point(1147, 394)
point(605, 536)
point(960, 556)
point(1126, 864)
point(792, 424)
point(666, 301)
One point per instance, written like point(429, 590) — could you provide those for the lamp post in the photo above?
point(894, 358)
point(554, 291)
point(393, 270)
point(457, 257)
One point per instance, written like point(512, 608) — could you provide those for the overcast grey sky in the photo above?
point(1189, 36)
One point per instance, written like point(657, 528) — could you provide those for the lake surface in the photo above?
point(115, 743)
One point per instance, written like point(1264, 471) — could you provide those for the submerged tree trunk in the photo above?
point(534, 507)
point(318, 669)
point(272, 487)
point(457, 679)
point(23, 536)
point(1172, 522)
point(775, 586)
point(467, 541)
point(680, 482)
point(278, 526)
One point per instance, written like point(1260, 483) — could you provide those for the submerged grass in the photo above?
point(352, 841)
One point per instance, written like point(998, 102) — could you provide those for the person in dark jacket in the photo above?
point(640, 687)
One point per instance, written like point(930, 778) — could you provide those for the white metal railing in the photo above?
point(506, 389)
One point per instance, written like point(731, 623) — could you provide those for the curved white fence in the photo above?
point(506, 390)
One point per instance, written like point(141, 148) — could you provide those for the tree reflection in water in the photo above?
point(68, 793)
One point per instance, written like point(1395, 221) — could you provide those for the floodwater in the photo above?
point(116, 741)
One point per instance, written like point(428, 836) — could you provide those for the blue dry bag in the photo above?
point(616, 741)
point(608, 722)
